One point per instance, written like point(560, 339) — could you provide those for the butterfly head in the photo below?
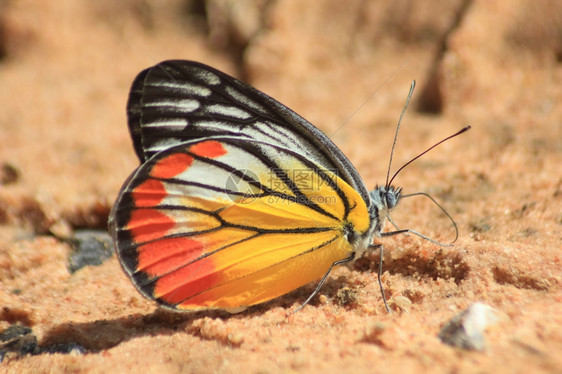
point(384, 198)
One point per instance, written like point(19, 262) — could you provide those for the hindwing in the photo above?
point(194, 229)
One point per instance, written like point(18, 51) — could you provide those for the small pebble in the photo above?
point(466, 329)
point(90, 247)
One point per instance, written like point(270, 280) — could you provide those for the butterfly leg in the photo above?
point(414, 232)
point(319, 286)
point(410, 231)
point(397, 232)
point(379, 275)
point(389, 233)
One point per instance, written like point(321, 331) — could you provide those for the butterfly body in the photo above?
point(238, 200)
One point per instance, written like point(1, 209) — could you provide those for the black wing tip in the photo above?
point(145, 284)
point(134, 111)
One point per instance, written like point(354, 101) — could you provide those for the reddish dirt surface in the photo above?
point(496, 65)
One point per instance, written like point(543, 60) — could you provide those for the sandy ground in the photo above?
point(65, 71)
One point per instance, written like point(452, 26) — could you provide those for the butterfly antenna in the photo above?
point(412, 86)
point(464, 129)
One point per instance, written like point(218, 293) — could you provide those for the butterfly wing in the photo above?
point(194, 230)
point(176, 101)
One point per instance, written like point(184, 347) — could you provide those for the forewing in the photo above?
point(177, 101)
point(194, 230)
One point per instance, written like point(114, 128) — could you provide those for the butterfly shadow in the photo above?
point(104, 334)
point(100, 335)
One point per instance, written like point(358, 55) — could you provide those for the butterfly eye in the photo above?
point(391, 197)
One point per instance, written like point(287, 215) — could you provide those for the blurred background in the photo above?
point(65, 71)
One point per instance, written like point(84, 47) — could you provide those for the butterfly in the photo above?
point(237, 200)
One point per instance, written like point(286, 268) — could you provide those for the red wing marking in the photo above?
point(148, 224)
point(209, 148)
point(172, 165)
point(165, 255)
point(149, 193)
point(187, 282)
